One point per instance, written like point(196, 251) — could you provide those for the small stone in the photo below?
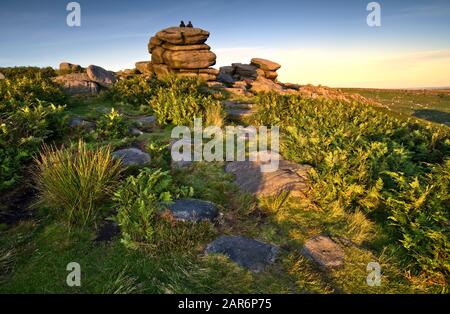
point(324, 252)
point(2, 77)
point(193, 210)
point(147, 122)
point(136, 132)
point(132, 157)
point(79, 123)
point(248, 253)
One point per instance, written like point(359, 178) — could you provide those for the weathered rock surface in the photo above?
point(2, 77)
point(287, 176)
point(183, 35)
point(169, 46)
point(132, 157)
point(262, 84)
point(101, 76)
point(189, 59)
point(244, 71)
point(66, 66)
point(265, 65)
point(77, 84)
point(182, 51)
point(193, 210)
point(248, 253)
point(145, 67)
point(324, 252)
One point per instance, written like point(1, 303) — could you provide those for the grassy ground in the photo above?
point(430, 105)
point(34, 253)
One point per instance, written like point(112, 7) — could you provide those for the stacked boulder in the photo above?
point(180, 50)
point(88, 81)
point(258, 76)
point(258, 68)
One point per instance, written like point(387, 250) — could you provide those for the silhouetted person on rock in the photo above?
point(190, 24)
point(182, 24)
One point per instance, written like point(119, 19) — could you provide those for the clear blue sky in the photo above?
point(114, 34)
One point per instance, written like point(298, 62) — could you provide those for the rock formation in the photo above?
point(69, 67)
point(88, 82)
point(180, 50)
point(77, 83)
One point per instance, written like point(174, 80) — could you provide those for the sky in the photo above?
point(319, 42)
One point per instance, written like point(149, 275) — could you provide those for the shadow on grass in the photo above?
point(433, 116)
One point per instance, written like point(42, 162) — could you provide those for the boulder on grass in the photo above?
point(193, 210)
point(248, 253)
point(2, 77)
point(132, 157)
point(324, 252)
point(286, 175)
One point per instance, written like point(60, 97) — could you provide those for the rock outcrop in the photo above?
point(85, 83)
point(180, 50)
point(101, 76)
point(77, 84)
point(69, 67)
point(258, 70)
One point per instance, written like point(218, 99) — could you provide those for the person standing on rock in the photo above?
point(190, 25)
point(182, 24)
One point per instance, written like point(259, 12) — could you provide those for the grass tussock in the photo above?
point(73, 181)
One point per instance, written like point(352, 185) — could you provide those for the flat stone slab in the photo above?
point(248, 253)
point(288, 176)
point(132, 157)
point(193, 210)
point(324, 252)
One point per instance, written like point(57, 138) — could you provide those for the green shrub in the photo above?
point(135, 91)
point(74, 181)
point(139, 201)
point(30, 72)
point(29, 89)
point(359, 155)
point(180, 100)
point(112, 125)
point(24, 126)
